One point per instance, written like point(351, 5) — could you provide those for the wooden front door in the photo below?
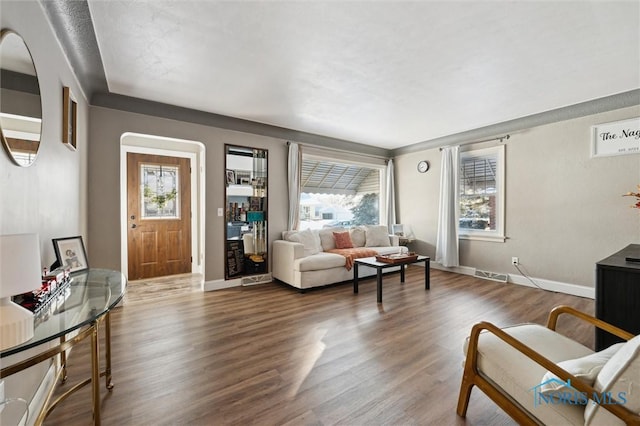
point(158, 215)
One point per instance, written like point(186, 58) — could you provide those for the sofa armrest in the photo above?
point(395, 240)
point(284, 253)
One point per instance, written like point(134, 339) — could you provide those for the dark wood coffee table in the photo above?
point(373, 263)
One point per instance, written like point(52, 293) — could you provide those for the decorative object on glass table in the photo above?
point(71, 253)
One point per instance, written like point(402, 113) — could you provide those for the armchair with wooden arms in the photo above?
point(509, 365)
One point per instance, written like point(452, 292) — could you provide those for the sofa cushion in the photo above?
point(343, 240)
point(358, 236)
point(318, 262)
point(326, 237)
point(308, 238)
point(377, 236)
point(585, 368)
point(619, 378)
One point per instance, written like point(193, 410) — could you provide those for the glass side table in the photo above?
point(78, 311)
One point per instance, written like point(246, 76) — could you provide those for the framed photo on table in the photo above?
point(71, 254)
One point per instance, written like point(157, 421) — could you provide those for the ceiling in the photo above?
point(385, 74)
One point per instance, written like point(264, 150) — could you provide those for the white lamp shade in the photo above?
point(19, 264)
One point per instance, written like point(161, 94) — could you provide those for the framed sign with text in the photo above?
point(617, 138)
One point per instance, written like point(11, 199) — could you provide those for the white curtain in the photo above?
point(447, 241)
point(294, 172)
point(390, 202)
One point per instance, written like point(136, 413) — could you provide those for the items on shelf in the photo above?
point(259, 237)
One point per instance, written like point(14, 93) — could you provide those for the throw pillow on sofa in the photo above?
point(326, 237)
point(343, 240)
point(358, 236)
point(309, 239)
point(377, 236)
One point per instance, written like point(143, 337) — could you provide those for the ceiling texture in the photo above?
point(389, 75)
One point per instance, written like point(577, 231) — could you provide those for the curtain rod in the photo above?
point(499, 138)
point(344, 151)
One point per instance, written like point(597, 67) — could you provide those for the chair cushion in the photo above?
point(377, 236)
point(308, 238)
point(318, 262)
point(585, 368)
point(519, 376)
point(343, 240)
point(620, 378)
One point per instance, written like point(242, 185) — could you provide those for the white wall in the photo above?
point(49, 197)
point(564, 210)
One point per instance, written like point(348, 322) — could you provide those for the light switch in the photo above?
point(220, 212)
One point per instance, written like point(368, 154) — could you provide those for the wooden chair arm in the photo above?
point(563, 309)
point(472, 356)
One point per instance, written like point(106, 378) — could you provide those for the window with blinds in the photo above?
point(481, 194)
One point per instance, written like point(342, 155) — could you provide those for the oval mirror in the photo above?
point(20, 104)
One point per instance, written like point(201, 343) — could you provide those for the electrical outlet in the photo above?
point(515, 261)
point(220, 213)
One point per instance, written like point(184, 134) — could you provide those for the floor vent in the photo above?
point(257, 279)
point(493, 276)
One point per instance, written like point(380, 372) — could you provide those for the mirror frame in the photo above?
point(257, 188)
point(3, 34)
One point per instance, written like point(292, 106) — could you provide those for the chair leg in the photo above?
point(465, 393)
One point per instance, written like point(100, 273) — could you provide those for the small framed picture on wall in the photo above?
point(69, 119)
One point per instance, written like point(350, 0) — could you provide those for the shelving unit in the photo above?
point(246, 211)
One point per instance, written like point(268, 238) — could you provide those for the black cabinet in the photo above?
point(618, 294)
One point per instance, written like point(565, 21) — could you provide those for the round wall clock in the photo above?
point(423, 166)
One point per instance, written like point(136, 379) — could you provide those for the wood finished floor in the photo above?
point(268, 355)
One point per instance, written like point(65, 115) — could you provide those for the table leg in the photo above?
point(63, 361)
point(95, 374)
point(402, 273)
point(427, 274)
point(107, 351)
point(379, 284)
point(355, 277)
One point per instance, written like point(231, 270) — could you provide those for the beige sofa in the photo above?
point(301, 259)
point(538, 376)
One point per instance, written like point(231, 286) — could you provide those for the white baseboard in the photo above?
point(238, 282)
point(221, 284)
point(557, 286)
point(464, 270)
point(549, 285)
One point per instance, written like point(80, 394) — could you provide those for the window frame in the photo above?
point(497, 235)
